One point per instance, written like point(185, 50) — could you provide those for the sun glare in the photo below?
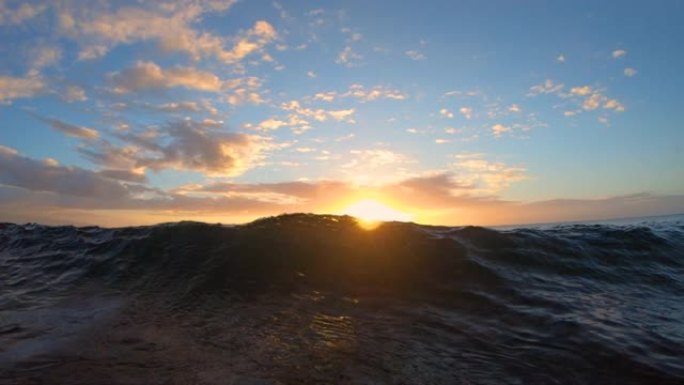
point(371, 213)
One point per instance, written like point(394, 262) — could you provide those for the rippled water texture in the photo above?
point(304, 299)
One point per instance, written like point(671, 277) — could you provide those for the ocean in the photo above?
point(316, 299)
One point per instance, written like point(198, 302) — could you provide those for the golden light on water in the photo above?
point(371, 213)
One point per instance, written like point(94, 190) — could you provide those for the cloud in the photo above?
point(590, 99)
point(170, 25)
point(629, 72)
point(342, 115)
point(92, 52)
point(378, 92)
point(467, 112)
point(374, 158)
point(618, 53)
point(299, 113)
point(21, 14)
point(70, 129)
point(19, 171)
point(561, 58)
point(446, 113)
point(484, 176)
point(596, 100)
point(582, 91)
point(252, 41)
point(348, 57)
point(415, 55)
point(548, 87)
point(612, 104)
point(184, 145)
point(363, 94)
point(271, 124)
point(46, 192)
point(311, 74)
point(149, 76)
point(592, 102)
point(463, 94)
point(135, 176)
point(499, 129)
point(514, 108)
point(44, 56)
point(186, 106)
point(14, 88)
point(74, 94)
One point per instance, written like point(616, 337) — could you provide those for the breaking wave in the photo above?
point(316, 299)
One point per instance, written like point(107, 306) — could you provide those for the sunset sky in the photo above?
point(450, 112)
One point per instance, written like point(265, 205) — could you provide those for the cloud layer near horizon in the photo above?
point(44, 191)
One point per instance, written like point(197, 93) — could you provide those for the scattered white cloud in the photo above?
point(415, 55)
point(14, 88)
point(548, 87)
point(44, 56)
point(319, 114)
point(618, 53)
point(374, 158)
point(484, 176)
point(74, 94)
point(23, 13)
point(467, 112)
point(596, 99)
point(591, 99)
point(169, 25)
point(311, 75)
point(514, 108)
point(629, 72)
point(499, 129)
point(592, 102)
point(148, 75)
point(186, 106)
point(612, 104)
point(378, 92)
point(446, 113)
point(305, 150)
point(348, 57)
point(183, 145)
point(271, 124)
point(341, 115)
point(71, 129)
point(581, 91)
point(561, 58)
point(34, 175)
point(361, 93)
point(92, 52)
point(462, 94)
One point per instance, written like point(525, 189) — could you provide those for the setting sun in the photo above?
point(371, 213)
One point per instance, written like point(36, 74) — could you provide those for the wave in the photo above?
point(420, 304)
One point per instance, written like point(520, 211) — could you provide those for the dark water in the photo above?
point(305, 299)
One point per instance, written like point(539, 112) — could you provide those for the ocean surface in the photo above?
point(307, 299)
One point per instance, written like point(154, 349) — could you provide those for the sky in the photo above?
point(444, 112)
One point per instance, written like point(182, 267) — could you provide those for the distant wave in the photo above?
point(578, 304)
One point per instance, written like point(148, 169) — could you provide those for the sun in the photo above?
point(371, 213)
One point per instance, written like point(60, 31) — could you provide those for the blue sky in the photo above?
point(483, 112)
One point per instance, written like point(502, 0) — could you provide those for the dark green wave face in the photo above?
point(318, 299)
